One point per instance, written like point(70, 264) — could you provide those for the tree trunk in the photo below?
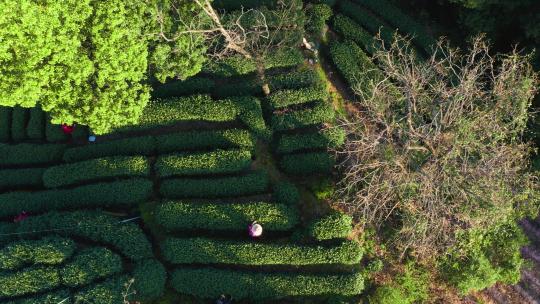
point(262, 76)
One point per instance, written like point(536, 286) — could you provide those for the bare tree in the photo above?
point(437, 146)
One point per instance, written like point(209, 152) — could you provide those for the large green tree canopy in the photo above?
point(86, 61)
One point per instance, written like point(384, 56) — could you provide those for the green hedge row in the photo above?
point(213, 162)
point(366, 20)
point(321, 112)
point(220, 216)
point(285, 98)
point(307, 163)
point(89, 265)
point(150, 277)
point(53, 132)
point(127, 238)
point(30, 154)
point(46, 251)
point(19, 118)
point(144, 145)
point(249, 184)
point(239, 65)
point(119, 193)
point(286, 193)
point(351, 30)
point(318, 15)
point(210, 251)
point(200, 85)
point(252, 116)
point(200, 140)
point(10, 178)
point(28, 281)
point(405, 23)
point(110, 291)
point(36, 124)
point(327, 138)
point(95, 169)
point(5, 124)
point(53, 297)
point(333, 226)
point(211, 283)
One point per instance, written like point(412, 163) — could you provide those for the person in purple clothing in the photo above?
point(255, 230)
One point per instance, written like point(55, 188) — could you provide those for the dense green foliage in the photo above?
point(149, 279)
point(327, 138)
point(351, 30)
point(144, 145)
point(10, 178)
point(367, 20)
point(45, 251)
point(19, 118)
point(189, 86)
point(36, 124)
point(410, 286)
point(209, 251)
point(281, 99)
point(200, 140)
point(96, 169)
point(119, 193)
point(202, 163)
point(30, 154)
point(308, 163)
point(317, 15)
point(89, 265)
point(29, 280)
point(332, 226)
point(249, 184)
point(320, 112)
point(226, 216)
point(286, 193)
point(211, 283)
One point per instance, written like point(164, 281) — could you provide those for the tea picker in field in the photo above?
point(67, 129)
point(255, 230)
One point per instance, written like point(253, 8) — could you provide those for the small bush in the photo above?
point(214, 162)
point(200, 140)
point(209, 251)
point(350, 30)
point(45, 251)
point(318, 14)
point(89, 265)
point(220, 216)
point(122, 147)
point(120, 193)
point(307, 163)
point(286, 193)
point(19, 118)
point(284, 98)
point(94, 169)
point(150, 277)
point(36, 124)
point(28, 281)
point(249, 184)
point(189, 86)
point(327, 138)
point(333, 226)
point(211, 283)
point(251, 115)
point(30, 154)
point(10, 178)
point(295, 80)
point(320, 113)
point(5, 124)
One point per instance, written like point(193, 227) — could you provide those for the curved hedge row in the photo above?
point(211, 283)
point(144, 145)
point(149, 280)
point(320, 113)
point(308, 163)
point(333, 226)
point(200, 140)
point(286, 193)
point(285, 98)
point(46, 251)
point(95, 169)
point(89, 265)
point(326, 138)
point(210, 251)
point(220, 216)
point(249, 184)
point(30, 154)
point(120, 193)
point(28, 281)
point(351, 30)
point(21, 177)
point(213, 162)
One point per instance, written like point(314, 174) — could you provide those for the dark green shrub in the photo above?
point(333, 226)
point(209, 251)
point(245, 87)
point(19, 118)
point(286, 193)
point(308, 163)
point(30, 154)
point(80, 133)
point(53, 297)
point(53, 132)
point(295, 80)
point(10, 178)
point(249, 184)
point(367, 20)
point(320, 113)
point(211, 283)
point(317, 14)
point(28, 281)
point(119, 193)
point(284, 98)
point(251, 115)
point(221, 216)
point(95, 169)
point(350, 30)
point(5, 124)
point(126, 146)
point(327, 138)
point(149, 280)
point(388, 294)
point(110, 291)
point(89, 265)
point(125, 237)
point(45, 251)
point(36, 124)
point(189, 86)
point(200, 140)
point(213, 162)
